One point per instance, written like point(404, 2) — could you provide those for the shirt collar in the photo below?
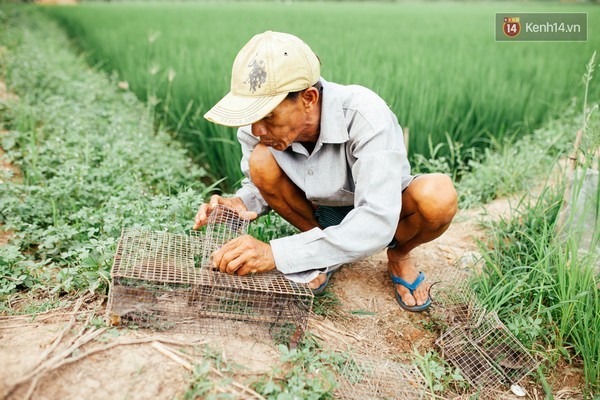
point(333, 124)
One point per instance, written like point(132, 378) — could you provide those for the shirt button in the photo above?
point(309, 172)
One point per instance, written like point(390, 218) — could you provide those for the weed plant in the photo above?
point(438, 374)
point(307, 372)
point(442, 78)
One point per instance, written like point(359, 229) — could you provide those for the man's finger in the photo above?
point(225, 255)
point(248, 215)
point(246, 269)
point(218, 256)
point(215, 200)
point(201, 216)
point(216, 259)
point(220, 260)
point(234, 265)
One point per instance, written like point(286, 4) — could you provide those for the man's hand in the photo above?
point(234, 203)
point(244, 255)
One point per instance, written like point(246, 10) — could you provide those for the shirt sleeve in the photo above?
point(249, 192)
point(376, 154)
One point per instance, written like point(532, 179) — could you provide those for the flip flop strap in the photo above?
point(410, 286)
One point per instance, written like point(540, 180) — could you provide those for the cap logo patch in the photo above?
point(257, 75)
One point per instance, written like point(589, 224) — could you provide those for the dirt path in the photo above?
point(124, 372)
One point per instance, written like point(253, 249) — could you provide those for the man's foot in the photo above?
point(318, 281)
point(404, 268)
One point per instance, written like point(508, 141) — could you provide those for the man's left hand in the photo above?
point(244, 255)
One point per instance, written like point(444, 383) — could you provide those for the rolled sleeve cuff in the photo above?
point(292, 254)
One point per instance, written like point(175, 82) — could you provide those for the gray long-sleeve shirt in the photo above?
point(359, 159)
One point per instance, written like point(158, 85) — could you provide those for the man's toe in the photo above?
point(421, 295)
point(407, 298)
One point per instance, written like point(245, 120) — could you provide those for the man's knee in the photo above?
point(436, 199)
point(264, 170)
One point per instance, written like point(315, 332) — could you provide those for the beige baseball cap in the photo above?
point(269, 66)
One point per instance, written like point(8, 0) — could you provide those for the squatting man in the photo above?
point(331, 160)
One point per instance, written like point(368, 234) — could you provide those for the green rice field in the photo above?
point(437, 65)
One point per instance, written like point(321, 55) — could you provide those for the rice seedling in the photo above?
point(437, 65)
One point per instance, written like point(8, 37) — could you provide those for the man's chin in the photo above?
point(276, 146)
point(279, 146)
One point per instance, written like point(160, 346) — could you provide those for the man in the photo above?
point(331, 160)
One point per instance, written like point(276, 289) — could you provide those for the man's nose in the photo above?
point(258, 129)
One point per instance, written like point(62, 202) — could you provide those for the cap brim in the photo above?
point(239, 111)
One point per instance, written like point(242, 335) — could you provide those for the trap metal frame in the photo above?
point(475, 341)
point(369, 378)
point(165, 281)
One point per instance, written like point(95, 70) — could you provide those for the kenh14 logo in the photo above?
point(511, 26)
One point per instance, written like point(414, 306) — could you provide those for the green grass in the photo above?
point(437, 65)
point(545, 291)
point(536, 275)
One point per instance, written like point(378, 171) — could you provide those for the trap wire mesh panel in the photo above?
point(366, 378)
point(464, 353)
point(476, 341)
point(503, 349)
point(223, 225)
point(159, 257)
point(456, 302)
point(166, 281)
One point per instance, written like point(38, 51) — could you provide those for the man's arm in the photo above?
point(249, 193)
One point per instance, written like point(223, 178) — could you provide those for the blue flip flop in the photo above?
point(412, 287)
point(319, 291)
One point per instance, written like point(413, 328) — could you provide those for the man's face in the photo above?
point(282, 126)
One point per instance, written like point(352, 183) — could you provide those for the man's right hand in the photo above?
point(234, 203)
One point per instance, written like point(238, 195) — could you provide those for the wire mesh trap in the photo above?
point(455, 302)
point(166, 281)
point(365, 378)
point(488, 355)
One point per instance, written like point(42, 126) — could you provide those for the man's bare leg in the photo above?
point(282, 195)
point(428, 206)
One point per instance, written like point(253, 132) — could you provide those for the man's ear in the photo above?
point(310, 97)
